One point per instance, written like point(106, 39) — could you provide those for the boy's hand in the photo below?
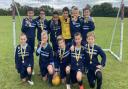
point(74, 18)
point(42, 43)
point(72, 48)
point(55, 74)
point(99, 67)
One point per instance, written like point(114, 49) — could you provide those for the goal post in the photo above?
point(121, 14)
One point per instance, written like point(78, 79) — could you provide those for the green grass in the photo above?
point(115, 74)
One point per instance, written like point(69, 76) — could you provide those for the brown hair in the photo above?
point(42, 9)
point(60, 38)
point(30, 9)
point(77, 34)
point(65, 9)
point(86, 8)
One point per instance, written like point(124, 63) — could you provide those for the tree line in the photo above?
point(103, 10)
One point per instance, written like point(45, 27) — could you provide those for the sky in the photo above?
point(60, 3)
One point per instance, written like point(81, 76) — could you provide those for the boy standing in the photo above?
point(75, 22)
point(55, 30)
point(42, 24)
point(65, 25)
point(63, 61)
point(87, 23)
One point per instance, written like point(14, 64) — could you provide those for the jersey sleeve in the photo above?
point(103, 56)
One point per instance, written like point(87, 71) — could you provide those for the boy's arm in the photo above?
point(69, 58)
point(51, 58)
point(30, 57)
point(24, 26)
point(92, 25)
point(60, 30)
point(17, 65)
point(48, 26)
point(103, 56)
point(56, 61)
point(38, 50)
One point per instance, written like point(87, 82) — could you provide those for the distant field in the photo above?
point(115, 74)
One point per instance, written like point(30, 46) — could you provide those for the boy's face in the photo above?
point(42, 14)
point(23, 40)
point(55, 17)
point(90, 40)
point(44, 38)
point(86, 13)
point(78, 40)
point(30, 14)
point(75, 13)
point(61, 44)
point(65, 14)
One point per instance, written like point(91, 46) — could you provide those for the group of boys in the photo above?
point(73, 51)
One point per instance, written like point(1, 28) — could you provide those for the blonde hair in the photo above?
point(74, 9)
point(44, 32)
point(91, 34)
point(22, 34)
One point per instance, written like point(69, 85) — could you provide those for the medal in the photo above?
point(86, 20)
point(61, 54)
point(42, 24)
point(55, 29)
point(77, 55)
point(23, 54)
point(28, 22)
point(90, 53)
point(22, 61)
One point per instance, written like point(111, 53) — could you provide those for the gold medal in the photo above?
point(22, 61)
point(23, 53)
point(55, 29)
point(61, 54)
point(42, 24)
point(30, 24)
point(77, 55)
point(90, 51)
point(86, 20)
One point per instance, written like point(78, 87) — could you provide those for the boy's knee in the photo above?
point(50, 69)
point(29, 70)
point(79, 76)
point(68, 69)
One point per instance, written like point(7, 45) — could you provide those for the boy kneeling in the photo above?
point(46, 62)
point(77, 61)
point(94, 67)
point(23, 60)
point(63, 61)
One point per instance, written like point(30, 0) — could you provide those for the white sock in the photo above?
point(68, 86)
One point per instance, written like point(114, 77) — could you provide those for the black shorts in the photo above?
point(62, 71)
point(23, 72)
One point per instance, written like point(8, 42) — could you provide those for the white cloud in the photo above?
point(59, 3)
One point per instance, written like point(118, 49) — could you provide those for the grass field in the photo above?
point(115, 74)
